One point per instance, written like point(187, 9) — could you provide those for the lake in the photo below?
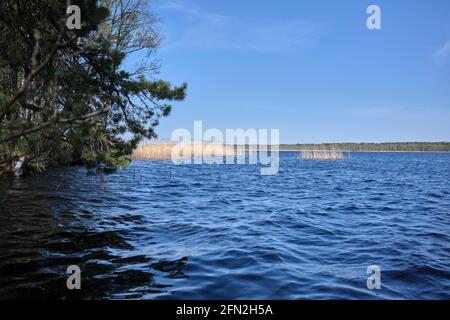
point(160, 231)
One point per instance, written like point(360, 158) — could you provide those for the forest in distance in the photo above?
point(373, 147)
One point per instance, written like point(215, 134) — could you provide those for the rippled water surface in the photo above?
point(159, 231)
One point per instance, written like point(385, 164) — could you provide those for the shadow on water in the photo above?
point(45, 227)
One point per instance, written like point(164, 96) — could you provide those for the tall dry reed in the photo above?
point(160, 150)
point(322, 155)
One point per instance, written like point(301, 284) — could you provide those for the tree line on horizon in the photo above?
point(384, 146)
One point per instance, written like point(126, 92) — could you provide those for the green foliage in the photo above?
point(116, 162)
point(89, 157)
point(64, 96)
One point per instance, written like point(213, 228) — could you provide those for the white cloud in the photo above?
point(369, 112)
point(442, 55)
point(397, 113)
point(206, 30)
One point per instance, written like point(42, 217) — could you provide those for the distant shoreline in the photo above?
point(160, 149)
point(369, 151)
point(366, 147)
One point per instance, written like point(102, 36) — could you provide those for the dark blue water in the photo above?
point(156, 230)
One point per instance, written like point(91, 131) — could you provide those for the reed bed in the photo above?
point(165, 150)
point(322, 155)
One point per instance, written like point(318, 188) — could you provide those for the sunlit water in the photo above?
point(159, 231)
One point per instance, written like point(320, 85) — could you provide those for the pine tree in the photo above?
point(64, 95)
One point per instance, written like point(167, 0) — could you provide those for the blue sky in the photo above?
point(310, 68)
